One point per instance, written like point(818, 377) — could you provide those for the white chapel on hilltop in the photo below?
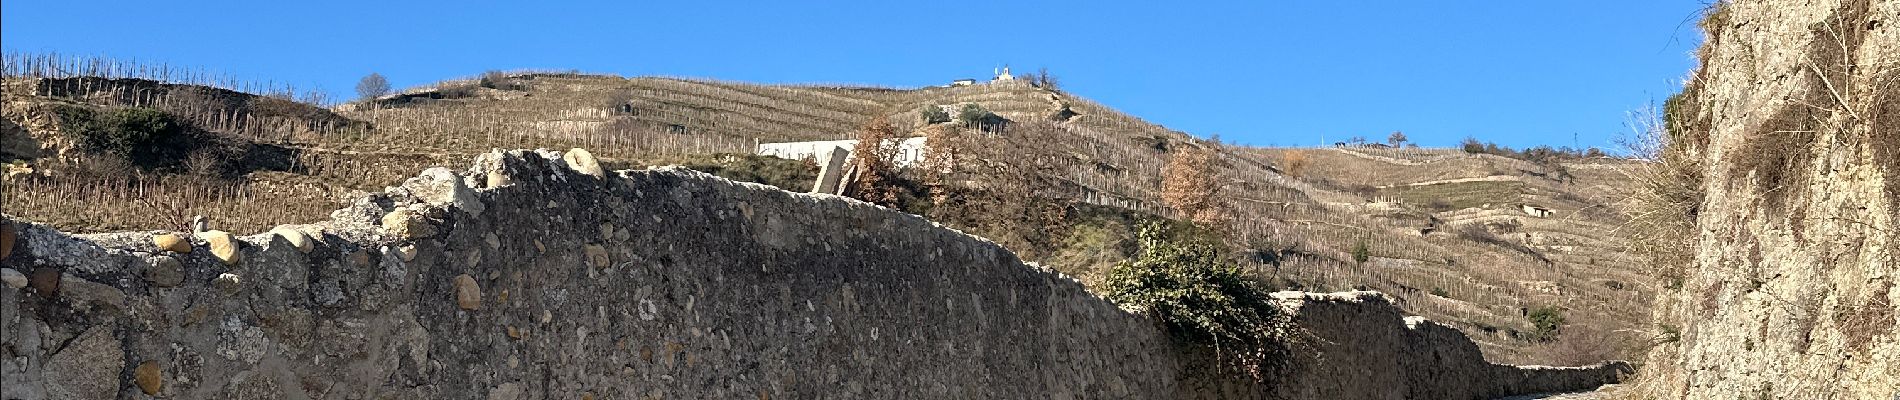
point(1003, 75)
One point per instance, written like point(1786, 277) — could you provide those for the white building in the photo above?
point(1003, 75)
point(910, 151)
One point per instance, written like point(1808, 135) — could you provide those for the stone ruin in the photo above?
point(535, 274)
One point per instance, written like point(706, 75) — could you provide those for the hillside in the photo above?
point(1448, 234)
point(1443, 231)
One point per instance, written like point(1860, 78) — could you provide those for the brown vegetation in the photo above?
point(873, 174)
point(1191, 186)
point(1294, 163)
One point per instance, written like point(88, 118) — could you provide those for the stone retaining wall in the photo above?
point(1361, 338)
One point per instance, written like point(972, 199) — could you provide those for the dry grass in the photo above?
point(1859, 324)
point(103, 205)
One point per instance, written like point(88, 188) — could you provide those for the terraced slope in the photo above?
point(1448, 235)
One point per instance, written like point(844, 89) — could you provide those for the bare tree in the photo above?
point(372, 86)
point(1003, 188)
point(876, 175)
point(1045, 80)
point(1396, 139)
point(205, 162)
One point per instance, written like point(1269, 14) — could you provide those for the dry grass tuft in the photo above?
point(1861, 324)
point(1666, 194)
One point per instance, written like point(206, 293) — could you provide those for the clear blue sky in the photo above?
point(1255, 72)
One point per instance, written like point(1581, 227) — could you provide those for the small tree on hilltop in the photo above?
point(876, 175)
point(372, 86)
point(1045, 80)
point(1471, 145)
point(1396, 139)
point(1191, 185)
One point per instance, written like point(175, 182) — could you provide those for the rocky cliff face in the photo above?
point(1795, 118)
point(537, 275)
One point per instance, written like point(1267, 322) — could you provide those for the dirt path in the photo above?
point(1493, 178)
point(1603, 393)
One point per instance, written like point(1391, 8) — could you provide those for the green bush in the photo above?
point(1361, 252)
point(131, 133)
point(457, 91)
point(1547, 321)
point(973, 114)
point(499, 81)
point(492, 79)
point(1202, 299)
point(931, 114)
point(1440, 292)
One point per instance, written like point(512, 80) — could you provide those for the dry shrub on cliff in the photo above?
point(1666, 192)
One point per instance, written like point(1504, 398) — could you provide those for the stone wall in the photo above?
point(1364, 347)
point(537, 275)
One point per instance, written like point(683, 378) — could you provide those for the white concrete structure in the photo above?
point(910, 151)
point(963, 82)
point(1536, 211)
point(830, 170)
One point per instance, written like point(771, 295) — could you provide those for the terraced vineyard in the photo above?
point(1439, 229)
